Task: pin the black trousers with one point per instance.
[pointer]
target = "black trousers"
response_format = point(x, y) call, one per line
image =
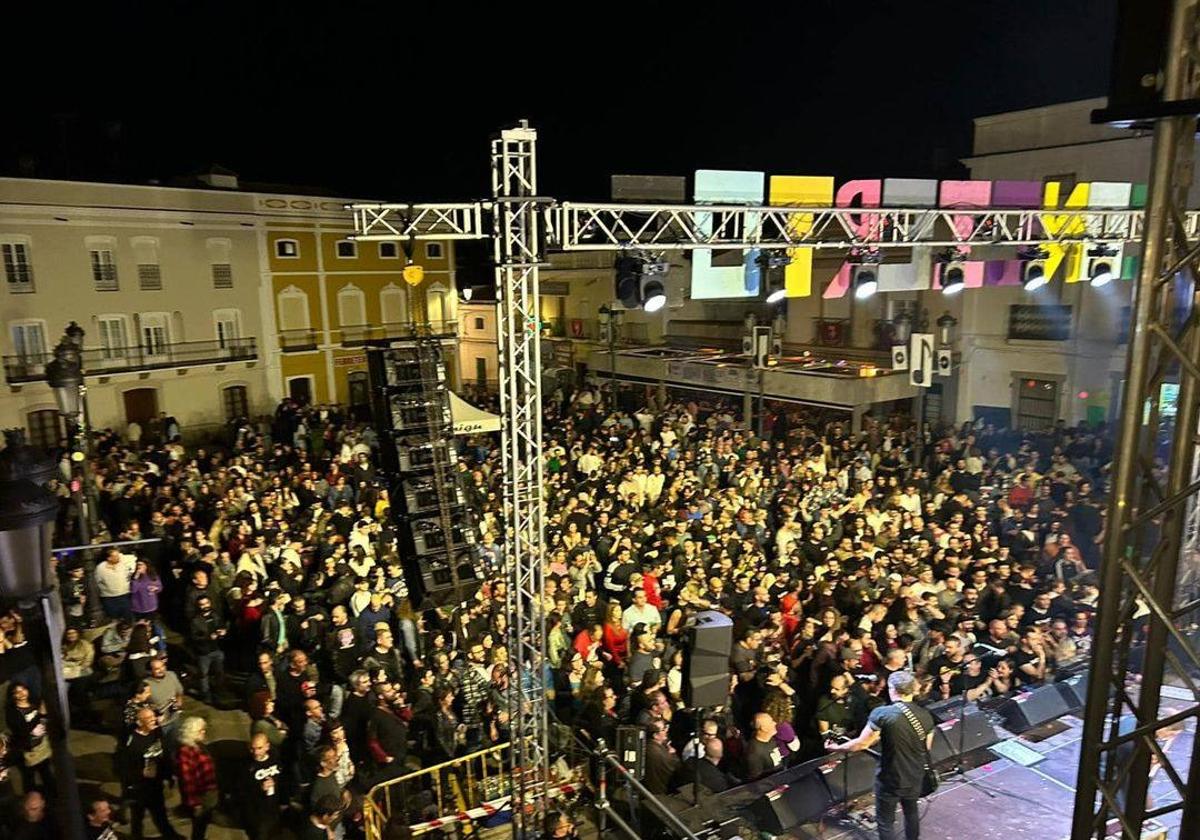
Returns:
point(885, 814)
point(149, 797)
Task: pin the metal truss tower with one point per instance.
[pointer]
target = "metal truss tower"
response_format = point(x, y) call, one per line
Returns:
point(1145, 555)
point(517, 243)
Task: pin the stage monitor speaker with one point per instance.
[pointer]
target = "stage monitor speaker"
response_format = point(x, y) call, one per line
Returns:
point(953, 736)
point(631, 749)
point(789, 805)
point(853, 776)
point(1074, 691)
point(706, 660)
point(1033, 708)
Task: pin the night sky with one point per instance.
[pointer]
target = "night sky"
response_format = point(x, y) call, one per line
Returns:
point(397, 101)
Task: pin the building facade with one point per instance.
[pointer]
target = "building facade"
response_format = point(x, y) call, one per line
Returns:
point(203, 304)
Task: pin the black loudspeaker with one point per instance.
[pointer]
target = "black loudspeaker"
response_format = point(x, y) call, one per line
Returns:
point(1138, 58)
point(1033, 708)
point(1074, 691)
point(785, 807)
point(853, 776)
point(631, 749)
point(952, 736)
point(706, 660)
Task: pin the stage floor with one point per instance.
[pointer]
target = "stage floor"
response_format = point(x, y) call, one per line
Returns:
point(1027, 802)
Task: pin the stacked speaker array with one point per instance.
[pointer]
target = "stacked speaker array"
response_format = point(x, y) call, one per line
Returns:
point(429, 512)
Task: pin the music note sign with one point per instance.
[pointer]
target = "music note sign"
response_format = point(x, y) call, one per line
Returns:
point(920, 360)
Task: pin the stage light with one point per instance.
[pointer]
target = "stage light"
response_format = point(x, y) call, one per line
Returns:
point(1102, 265)
point(771, 263)
point(636, 285)
point(866, 283)
point(953, 280)
point(654, 295)
point(1034, 276)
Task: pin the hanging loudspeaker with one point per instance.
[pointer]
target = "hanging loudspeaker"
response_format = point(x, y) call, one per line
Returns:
point(945, 362)
point(899, 357)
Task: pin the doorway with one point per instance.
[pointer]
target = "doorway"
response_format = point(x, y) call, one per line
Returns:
point(141, 405)
point(360, 395)
point(300, 389)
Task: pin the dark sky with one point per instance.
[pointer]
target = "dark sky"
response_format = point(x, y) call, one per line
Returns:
point(397, 100)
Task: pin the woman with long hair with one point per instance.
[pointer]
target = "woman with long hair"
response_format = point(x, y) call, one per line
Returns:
point(616, 637)
point(26, 721)
point(144, 589)
point(263, 720)
point(197, 774)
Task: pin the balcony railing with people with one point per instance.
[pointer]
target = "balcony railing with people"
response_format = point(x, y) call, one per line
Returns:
point(31, 367)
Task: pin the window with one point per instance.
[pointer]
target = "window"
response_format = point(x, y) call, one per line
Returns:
point(388, 251)
point(293, 309)
point(481, 371)
point(288, 249)
point(114, 335)
point(18, 271)
point(433, 250)
point(1037, 404)
point(145, 254)
point(347, 249)
point(45, 430)
point(102, 255)
point(1039, 322)
point(478, 323)
point(228, 327)
point(155, 333)
point(222, 266)
point(352, 307)
point(393, 302)
point(29, 341)
point(233, 398)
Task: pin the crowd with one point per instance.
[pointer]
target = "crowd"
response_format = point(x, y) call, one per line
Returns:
point(275, 587)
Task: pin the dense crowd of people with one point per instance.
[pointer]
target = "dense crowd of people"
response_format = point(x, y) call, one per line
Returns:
point(275, 587)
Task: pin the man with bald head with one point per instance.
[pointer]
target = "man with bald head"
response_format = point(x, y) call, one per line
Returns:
point(262, 790)
point(763, 755)
point(707, 770)
point(144, 770)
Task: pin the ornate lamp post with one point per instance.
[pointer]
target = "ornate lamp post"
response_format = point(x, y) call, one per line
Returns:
point(610, 319)
point(27, 513)
point(65, 376)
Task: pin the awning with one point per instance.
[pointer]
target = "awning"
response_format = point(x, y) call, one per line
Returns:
point(469, 420)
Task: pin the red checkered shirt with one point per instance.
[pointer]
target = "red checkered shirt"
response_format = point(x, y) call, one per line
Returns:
point(197, 775)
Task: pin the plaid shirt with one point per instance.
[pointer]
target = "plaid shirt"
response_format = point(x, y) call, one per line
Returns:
point(197, 775)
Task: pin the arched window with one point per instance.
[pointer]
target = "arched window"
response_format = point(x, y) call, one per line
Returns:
point(295, 328)
point(235, 402)
point(393, 304)
point(436, 306)
point(352, 306)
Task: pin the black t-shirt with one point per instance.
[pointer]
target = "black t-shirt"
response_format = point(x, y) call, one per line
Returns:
point(902, 762)
point(261, 782)
point(837, 714)
point(762, 758)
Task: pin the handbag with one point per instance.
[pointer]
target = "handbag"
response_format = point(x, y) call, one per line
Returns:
point(37, 754)
point(929, 779)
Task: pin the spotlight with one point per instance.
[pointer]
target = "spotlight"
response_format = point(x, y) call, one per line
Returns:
point(866, 283)
point(1101, 265)
point(636, 285)
point(1033, 272)
point(1035, 275)
point(467, 292)
point(654, 295)
point(953, 280)
point(771, 262)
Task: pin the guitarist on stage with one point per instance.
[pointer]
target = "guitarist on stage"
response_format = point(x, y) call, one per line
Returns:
point(906, 733)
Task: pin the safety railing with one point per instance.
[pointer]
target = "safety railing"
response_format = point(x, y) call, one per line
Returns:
point(464, 789)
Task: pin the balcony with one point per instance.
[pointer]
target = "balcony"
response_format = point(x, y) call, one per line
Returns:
point(295, 341)
point(362, 335)
point(102, 361)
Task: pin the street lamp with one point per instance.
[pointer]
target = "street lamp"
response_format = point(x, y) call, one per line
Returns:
point(27, 514)
point(946, 325)
point(65, 376)
point(608, 317)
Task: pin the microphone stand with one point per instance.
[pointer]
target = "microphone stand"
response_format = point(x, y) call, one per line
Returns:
point(960, 766)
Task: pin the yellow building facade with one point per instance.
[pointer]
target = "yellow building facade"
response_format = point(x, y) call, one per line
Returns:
point(332, 297)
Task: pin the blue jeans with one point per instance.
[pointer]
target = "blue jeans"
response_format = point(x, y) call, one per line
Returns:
point(209, 662)
point(117, 606)
point(885, 814)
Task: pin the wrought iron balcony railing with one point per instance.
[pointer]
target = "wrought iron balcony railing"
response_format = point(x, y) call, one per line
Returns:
point(100, 361)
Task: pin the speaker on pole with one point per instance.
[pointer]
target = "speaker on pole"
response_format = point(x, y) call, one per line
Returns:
point(708, 641)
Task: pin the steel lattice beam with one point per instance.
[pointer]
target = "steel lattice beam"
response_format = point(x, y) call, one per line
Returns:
point(1148, 517)
point(572, 226)
point(516, 240)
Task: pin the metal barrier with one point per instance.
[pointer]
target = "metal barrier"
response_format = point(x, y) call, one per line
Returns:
point(471, 787)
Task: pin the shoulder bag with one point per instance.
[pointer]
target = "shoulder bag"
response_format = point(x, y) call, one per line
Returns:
point(929, 780)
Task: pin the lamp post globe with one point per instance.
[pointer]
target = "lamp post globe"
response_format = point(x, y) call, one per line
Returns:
point(64, 374)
